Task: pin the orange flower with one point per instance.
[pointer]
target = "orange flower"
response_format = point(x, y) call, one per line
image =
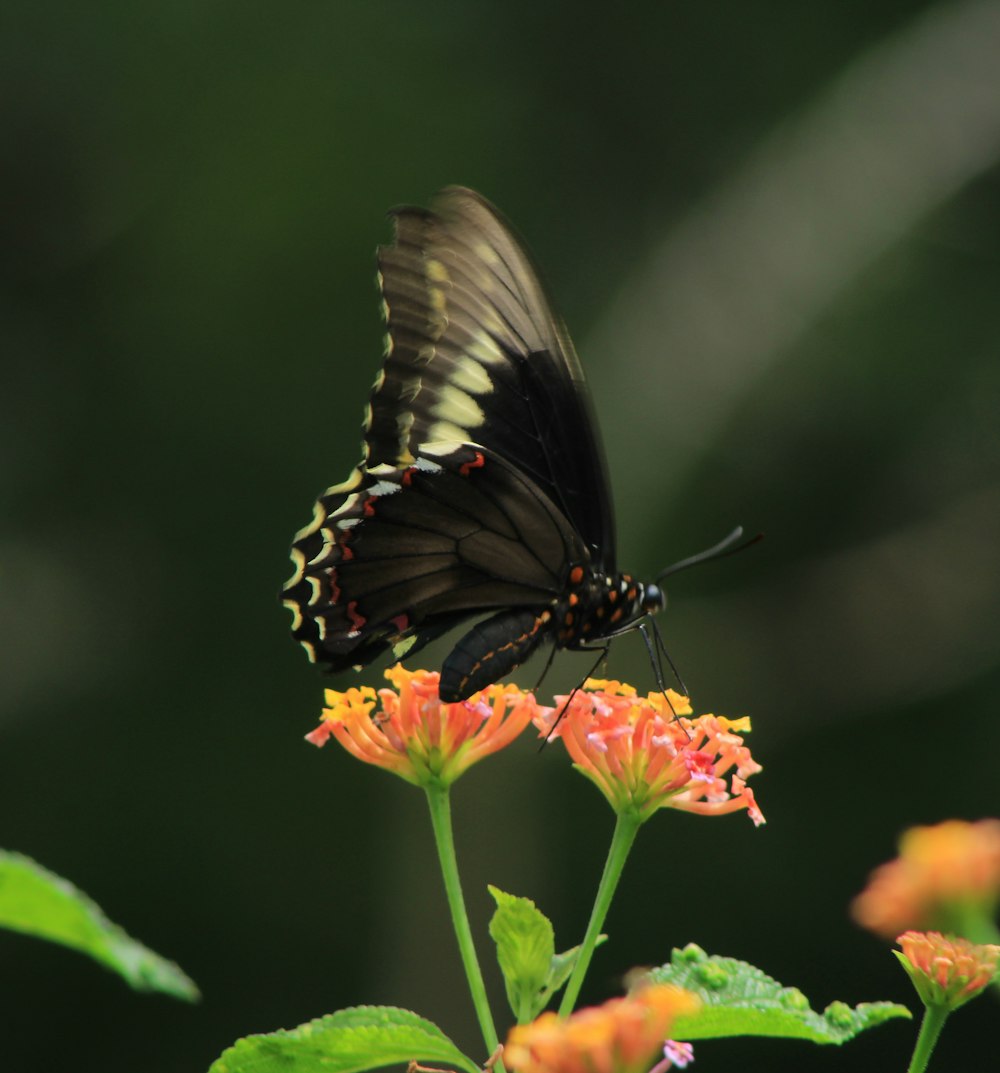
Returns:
point(417, 736)
point(944, 877)
point(643, 757)
point(946, 972)
point(624, 1035)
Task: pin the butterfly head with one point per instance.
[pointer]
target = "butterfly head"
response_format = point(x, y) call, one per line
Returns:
point(654, 599)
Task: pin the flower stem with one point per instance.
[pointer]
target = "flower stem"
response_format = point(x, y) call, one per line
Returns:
point(626, 828)
point(930, 1029)
point(440, 807)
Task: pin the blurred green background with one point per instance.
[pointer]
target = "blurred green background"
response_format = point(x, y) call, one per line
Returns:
point(774, 230)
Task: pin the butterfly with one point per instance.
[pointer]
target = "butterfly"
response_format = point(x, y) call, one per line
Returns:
point(482, 490)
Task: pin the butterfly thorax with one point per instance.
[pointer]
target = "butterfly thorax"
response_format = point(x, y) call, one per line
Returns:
point(598, 606)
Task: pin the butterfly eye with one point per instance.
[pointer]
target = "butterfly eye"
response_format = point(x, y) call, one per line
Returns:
point(653, 599)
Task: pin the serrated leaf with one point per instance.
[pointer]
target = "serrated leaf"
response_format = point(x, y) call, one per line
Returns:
point(524, 936)
point(525, 945)
point(741, 1000)
point(37, 902)
point(348, 1041)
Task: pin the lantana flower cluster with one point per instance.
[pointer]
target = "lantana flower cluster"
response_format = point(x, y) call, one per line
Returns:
point(623, 1036)
point(415, 734)
point(647, 752)
point(947, 972)
point(946, 877)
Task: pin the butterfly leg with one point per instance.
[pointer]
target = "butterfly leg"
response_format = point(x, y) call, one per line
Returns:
point(654, 662)
point(545, 669)
point(661, 647)
point(601, 657)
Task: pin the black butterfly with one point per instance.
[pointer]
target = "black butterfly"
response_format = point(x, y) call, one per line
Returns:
point(482, 487)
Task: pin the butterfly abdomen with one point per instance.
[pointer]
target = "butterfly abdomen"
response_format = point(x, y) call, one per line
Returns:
point(492, 649)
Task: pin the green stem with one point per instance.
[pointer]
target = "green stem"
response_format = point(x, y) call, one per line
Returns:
point(930, 1029)
point(626, 829)
point(440, 806)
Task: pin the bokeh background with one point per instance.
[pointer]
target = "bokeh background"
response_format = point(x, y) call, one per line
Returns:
point(774, 230)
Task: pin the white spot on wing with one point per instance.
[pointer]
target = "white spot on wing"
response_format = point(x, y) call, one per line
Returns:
point(352, 482)
point(458, 408)
point(404, 422)
point(400, 649)
point(486, 253)
point(445, 430)
point(348, 505)
point(484, 348)
point(425, 465)
point(470, 376)
point(299, 565)
point(296, 613)
point(318, 518)
point(436, 271)
point(324, 551)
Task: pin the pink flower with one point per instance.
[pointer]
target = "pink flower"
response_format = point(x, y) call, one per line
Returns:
point(643, 757)
point(416, 735)
point(946, 972)
point(943, 876)
point(623, 1036)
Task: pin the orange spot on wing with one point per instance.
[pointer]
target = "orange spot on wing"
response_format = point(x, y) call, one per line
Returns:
point(357, 620)
point(477, 463)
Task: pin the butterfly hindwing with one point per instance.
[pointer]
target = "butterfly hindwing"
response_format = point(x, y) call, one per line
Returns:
point(457, 532)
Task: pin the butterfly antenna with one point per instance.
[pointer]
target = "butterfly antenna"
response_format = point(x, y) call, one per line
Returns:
point(717, 551)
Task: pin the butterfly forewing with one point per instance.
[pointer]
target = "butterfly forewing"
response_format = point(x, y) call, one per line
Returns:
point(477, 353)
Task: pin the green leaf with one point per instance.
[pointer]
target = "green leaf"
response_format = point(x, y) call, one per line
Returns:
point(563, 964)
point(525, 950)
point(348, 1041)
point(740, 1000)
point(35, 901)
point(525, 941)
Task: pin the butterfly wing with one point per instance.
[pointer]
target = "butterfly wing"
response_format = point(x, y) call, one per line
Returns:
point(477, 354)
point(423, 546)
point(420, 537)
